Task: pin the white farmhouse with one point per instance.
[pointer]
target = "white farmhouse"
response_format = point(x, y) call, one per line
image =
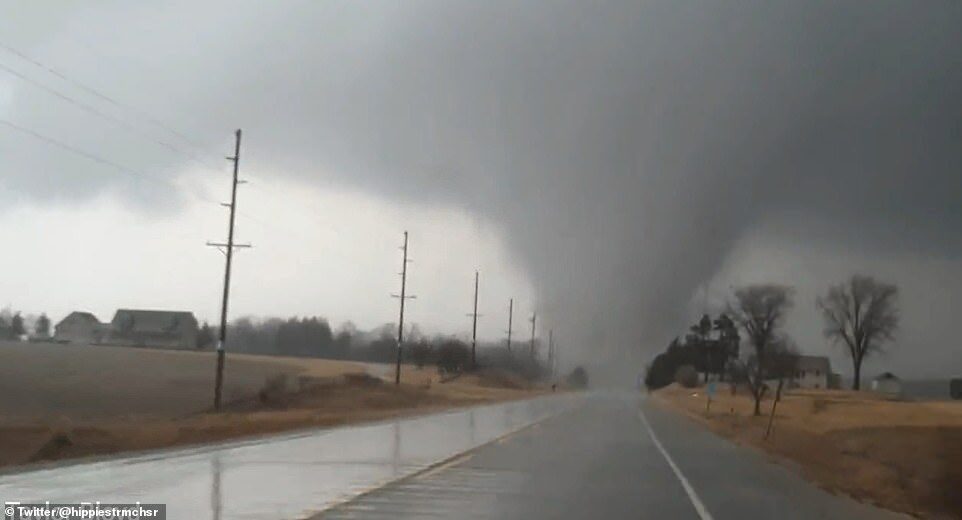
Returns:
point(812, 372)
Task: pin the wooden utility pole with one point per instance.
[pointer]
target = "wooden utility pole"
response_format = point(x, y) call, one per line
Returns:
point(228, 250)
point(403, 296)
point(474, 326)
point(534, 321)
point(551, 351)
point(510, 317)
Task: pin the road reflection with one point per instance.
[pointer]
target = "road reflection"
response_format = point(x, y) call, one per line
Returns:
point(286, 476)
point(215, 498)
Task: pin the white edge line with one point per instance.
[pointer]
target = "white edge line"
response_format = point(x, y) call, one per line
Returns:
point(695, 501)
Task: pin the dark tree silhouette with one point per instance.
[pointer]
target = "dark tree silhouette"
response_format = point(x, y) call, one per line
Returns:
point(205, 336)
point(16, 326)
point(702, 329)
point(453, 356)
point(578, 378)
point(42, 326)
point(420, 352)
point(760, 311)
point(729, 341)
point(862, 315)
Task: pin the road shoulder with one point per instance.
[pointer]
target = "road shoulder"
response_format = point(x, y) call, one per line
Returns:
point(736, 479)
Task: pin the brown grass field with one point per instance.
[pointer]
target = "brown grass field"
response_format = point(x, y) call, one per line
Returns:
point(901, 455)
point(68, 401)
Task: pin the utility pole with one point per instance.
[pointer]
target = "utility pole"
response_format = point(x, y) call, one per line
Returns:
point(474, 325)
point(554, 360)
point(551, 351)
point(510, 317)
point(228, 250)
point(403, 296)
point(534, 320)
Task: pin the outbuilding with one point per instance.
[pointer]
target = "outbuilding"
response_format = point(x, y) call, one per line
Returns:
point(153, 328)
point(888, 384)
point(79, 327)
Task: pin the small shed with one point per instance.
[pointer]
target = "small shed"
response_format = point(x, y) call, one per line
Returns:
point(888, 384)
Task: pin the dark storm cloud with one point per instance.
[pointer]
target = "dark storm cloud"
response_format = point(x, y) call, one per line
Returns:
point(622, 147)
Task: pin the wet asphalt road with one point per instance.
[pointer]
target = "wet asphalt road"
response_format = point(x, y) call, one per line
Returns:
point(282, 476)
point(601, 461)
point(566, 456)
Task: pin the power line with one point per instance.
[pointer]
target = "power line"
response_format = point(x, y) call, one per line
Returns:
point(100, 94)
point(510, 319)
point(534, 321)
point(92, 157)
point(551, 351)
point(95, 111)
point(474, 325)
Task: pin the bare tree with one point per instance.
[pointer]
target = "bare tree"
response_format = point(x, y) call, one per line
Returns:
point(861, 314)
point(760, 311)
point(782, 363)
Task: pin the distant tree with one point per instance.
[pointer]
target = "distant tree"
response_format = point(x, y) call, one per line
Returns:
point(686, 376)
point(738, 374)
point(729, 340)
point(304, 337)
point(702, 329)
point(693, 352)
point(16, 326)
point(861, 314)
point(760, 311)
point(675, 347)
point(782, 361)
point(413, 334)
point(660, 372)
point(345, 337)
point(420, 353)
point(205, 336)
point(701, 347)
point(383, 349)
point(578, 378)
point(42, 326)
point(453, 356)
point(341, 347)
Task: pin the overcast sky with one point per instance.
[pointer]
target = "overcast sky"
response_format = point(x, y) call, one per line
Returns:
point(617, 166)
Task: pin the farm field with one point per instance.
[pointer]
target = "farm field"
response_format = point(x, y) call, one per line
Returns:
point(67, 401)
point(41, 380)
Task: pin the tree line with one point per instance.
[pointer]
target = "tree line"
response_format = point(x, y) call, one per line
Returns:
point(860, 315)
point(314, 337)
point(14, 326)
